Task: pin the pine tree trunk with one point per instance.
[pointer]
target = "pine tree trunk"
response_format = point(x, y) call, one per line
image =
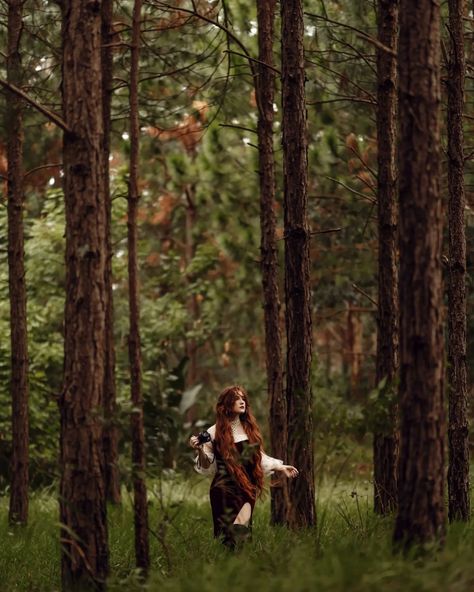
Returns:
point(18, 512)
point(458, 431)
point(421, 513)
point(82, 489)
point(265, 92)
point(192, 303)
point(111, 433)
point(142, 553)
point(386, 440)
point(301, 511)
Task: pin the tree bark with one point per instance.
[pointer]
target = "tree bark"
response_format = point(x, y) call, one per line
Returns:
point(82, 489)
point(386, 439)
point(265, 92)
point(421, 513)
point(301, 511)
point(142, 554)
point(19, 388)
point(458, 431)
point(192, 302)
point(111, 432)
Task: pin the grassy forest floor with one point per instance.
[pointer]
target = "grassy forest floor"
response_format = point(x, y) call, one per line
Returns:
point(350, 552)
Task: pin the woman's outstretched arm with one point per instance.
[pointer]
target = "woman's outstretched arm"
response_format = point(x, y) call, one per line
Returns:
point(270, 464)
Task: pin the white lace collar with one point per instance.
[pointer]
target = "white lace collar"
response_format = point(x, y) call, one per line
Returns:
point(238, 431)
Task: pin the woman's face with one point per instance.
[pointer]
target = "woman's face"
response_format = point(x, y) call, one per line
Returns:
point(239, 406)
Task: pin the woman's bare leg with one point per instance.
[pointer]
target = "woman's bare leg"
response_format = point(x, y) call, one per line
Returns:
point(243, 517)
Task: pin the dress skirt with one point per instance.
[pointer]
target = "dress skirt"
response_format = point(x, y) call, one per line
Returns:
point(227, 496)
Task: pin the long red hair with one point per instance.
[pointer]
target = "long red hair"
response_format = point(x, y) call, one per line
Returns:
point(225, 441)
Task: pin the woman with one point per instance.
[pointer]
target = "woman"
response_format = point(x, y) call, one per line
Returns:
point(235, 458)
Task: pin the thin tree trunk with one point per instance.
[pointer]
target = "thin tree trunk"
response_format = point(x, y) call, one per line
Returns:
point(386, 440)
point(111, 433)
point(18, 512)
point(265, 89)
point(142, 553)
point(192, 303)
point(82, 491)
point(421, 512)
point(301, 511)
point(458, 431)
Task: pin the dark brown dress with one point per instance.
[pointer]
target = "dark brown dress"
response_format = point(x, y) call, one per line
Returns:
point(227, 495)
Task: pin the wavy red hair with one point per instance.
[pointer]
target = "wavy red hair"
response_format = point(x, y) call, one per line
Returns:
point(225, 441)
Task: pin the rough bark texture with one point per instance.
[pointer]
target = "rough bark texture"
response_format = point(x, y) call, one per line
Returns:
point(18, 512)
point(142, 553)
point(458, 431)
point(301, 511)
point(82, 489)
point(386, 440)
point(265, 89)
point(421, 513)
point(111, 433)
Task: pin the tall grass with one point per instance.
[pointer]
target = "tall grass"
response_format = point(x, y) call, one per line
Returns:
point(350, 551)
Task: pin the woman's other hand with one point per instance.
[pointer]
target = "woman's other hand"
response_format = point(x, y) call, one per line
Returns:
point(289, 471)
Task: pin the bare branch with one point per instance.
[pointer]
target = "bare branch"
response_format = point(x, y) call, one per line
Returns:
point(43, 166)
point(198, 15)
point(361, 34)
point(354, 191)
point(240, 127)
point(53, 117)
point(350, 99)
point(364, 293)
point(253, 60)
point(314, 232)
point(359, 156)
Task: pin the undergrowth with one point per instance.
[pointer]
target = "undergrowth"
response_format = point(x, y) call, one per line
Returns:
point(349, 551)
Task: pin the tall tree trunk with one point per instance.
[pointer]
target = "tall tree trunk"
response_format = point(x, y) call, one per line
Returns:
point(82, 489)
point(138, 436)
point(421, 513)
point(386, 439)
point(301, 511)
point(111, 434)
point(192, 303)
point(458, 474)
point(19, 389)
point(265, 90)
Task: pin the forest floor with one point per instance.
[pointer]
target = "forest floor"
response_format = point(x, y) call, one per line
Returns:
point(350, 551)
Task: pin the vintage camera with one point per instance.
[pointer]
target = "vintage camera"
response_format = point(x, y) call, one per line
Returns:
point(203, 437)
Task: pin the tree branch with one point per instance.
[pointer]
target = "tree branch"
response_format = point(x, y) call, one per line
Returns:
point(53, 117)
point(43, 166)
point(354, 191)
point(206, 19)
point(361, 34)
point(240, 127)
point(364, 293)
point(248, 57)
point(327, 231)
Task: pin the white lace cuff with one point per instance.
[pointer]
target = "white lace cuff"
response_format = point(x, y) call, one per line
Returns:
point(269, 464)
point(209, 452)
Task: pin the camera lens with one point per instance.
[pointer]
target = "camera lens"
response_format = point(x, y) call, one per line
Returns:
point(203, 437)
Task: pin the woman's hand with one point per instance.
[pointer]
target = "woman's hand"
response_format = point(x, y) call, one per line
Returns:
point(204, 461)
point(194, 442)
point(289, 471)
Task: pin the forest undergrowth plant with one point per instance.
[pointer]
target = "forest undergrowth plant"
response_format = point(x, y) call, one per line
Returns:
point(353, 554)
point(359, 521)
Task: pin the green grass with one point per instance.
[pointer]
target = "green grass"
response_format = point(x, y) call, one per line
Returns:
point(350, 552)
